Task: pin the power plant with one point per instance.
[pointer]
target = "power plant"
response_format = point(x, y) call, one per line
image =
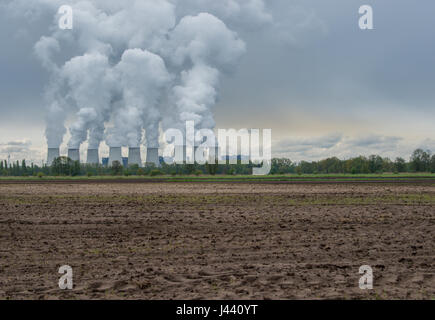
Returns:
point(134, 157)
point(180, 152)
point(92, 157)
point(115, 154)
point(74, 154)
point(140, 86)
point(153, 156)
point(213, 154)
point(52, 154)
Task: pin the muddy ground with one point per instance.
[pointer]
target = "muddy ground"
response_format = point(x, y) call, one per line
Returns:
point(217, 241)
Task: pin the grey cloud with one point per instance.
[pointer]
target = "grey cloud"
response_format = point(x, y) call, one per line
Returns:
point(338, 145)
point(374, 141)
point(16, 143)
point(428, 144)
point(304, 144)
point(15, 147)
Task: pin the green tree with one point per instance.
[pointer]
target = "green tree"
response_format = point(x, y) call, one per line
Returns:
point(359, 165)
point(75, 168)
point(61, 166)
point(420, 160)
point(281, 166)
point(191, 168)
point(387, 165)
point(400, 165)
point(299, 170)
point(133, 168)
point(375, 164)
point(24, 170)
point(211, 168)
point(116, 168)
point(155, 172)
point(432, 164)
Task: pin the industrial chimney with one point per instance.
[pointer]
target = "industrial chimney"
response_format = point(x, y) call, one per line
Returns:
point(134, 156)
point(115, 154)
point(52, 154)
point(153, 156)
point(93, 157)
point(74, 154)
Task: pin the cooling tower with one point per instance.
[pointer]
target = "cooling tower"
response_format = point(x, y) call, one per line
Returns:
point(134, 156)
point(180, 150)
point(204, 157)
point(93, 157)
point(153, 156)
point(52, 154)
point(213, 154)
point(74, 154)
point(196, 147)
point(115, 154)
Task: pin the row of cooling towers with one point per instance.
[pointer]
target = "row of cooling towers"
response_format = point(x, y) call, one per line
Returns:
point(115, 154)
point(134, 155)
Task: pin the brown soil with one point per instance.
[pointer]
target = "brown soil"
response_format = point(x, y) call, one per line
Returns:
point(217, 241)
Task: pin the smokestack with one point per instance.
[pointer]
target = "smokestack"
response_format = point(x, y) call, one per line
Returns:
point(93, 157)
point(134, 156)
point(74, 154)
point(153, 156)
point(52, 154)
point(115, 154)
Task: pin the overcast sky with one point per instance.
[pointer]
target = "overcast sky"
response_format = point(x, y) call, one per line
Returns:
point(321, 84)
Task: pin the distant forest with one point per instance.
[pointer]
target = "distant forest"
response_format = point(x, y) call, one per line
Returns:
point(420, 161)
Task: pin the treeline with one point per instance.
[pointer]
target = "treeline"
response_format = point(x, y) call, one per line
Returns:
point(64, 166)
point(420, 161)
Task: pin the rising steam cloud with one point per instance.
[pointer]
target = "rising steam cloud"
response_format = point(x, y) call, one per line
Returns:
point(91, 82)
point(128, 66)
point(205, 45)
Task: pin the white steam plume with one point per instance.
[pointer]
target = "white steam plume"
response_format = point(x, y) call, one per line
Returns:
point(125, 60)
point(45, 49)
point(91, 84)
point(239, 14)
point(142, 77)
point(203, 45)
